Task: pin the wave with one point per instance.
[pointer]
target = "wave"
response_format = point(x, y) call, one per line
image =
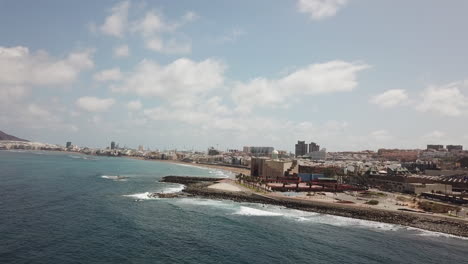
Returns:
point(221, 173)
point(427, 233)
point(253, 210)
point(248, 209)
point(175, 189)
point(141, 196)
point(149, 195)
point(207, 202)
point(244, 210)
point(114, 178)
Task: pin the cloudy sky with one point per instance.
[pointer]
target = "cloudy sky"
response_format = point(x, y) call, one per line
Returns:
point(347, 74)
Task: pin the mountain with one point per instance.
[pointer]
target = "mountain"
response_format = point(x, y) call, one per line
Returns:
point(5, 136)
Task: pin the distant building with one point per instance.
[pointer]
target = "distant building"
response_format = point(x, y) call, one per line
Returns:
point(246, 149)
point(275, 168)
point(404, 155)
point(112, 145)
point(313, 147)
point(140, 148)
point(68, 144)
point(317, 155)
point(435, 147)
point(301, 148)
point(256, 166)
point(260, 151)
point(454, 148)
point(212, 151)
point(418, 188)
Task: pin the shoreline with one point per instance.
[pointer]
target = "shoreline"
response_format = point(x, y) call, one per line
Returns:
point(434, 223)
point(230, 170)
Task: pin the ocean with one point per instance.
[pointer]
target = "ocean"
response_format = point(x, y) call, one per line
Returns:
point(71, 208)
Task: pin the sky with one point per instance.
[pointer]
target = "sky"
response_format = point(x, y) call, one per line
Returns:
point(165, 74)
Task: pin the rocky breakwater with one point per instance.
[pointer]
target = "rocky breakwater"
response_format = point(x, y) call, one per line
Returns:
point(197, 186)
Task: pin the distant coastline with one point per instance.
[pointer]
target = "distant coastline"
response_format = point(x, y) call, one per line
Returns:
point(230, 169)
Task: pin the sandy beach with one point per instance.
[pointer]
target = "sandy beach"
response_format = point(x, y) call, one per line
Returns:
point(232, 170)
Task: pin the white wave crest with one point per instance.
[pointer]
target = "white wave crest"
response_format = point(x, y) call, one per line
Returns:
point(114, 178)
point(175, 189)
point(208, 202)
point(244, 210)
point(141, 196)
point(427, 233)
point(220, 173)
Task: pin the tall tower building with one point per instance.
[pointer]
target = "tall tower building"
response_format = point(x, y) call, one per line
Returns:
point(301, 148)
point(112, 145)
point(313, 147)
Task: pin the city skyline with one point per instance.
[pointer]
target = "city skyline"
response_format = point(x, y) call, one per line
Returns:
point(349, 75)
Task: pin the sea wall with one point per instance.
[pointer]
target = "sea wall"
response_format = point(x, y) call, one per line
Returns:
point(198, 187)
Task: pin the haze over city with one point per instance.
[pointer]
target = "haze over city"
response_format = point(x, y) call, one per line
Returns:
point(351, 75)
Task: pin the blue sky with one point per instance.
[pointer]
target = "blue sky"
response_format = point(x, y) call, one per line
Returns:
point(347, 74)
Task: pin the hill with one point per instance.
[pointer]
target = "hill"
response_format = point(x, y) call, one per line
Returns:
point(5, 136)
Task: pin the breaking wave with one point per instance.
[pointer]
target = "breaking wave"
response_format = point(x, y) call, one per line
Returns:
point(114, 178)
point(175, 189)
point(141, 196)
point(244, 210)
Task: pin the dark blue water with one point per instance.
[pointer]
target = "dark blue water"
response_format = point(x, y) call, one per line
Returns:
point(58, 208)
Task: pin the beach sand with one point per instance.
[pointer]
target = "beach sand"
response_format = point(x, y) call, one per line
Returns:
point(233, 170)
point(225, 186)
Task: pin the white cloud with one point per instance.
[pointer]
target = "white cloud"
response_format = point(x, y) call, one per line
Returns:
point(380, 135)
point(445, 100)
point(329, 77)
point(121, 51)
point(11, 93)
point(154, 30)
point(113, 74)
point(231, 36)
point(171, 46)
point(151, 24)
point(134, 105)
point(94, 104)
point(320, 9)
point(35, 115)
point(181, 79)
point(39, 112)
point(390, 98)
point(116, 24)
point(433, 136)
point(190, 16)
point(21, 68)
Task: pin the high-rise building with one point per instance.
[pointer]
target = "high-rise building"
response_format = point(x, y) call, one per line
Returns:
point(435, 147)
point(112, 145)
point(313, 147)
point(454, 147)
point(68, 144)
point(301, 148)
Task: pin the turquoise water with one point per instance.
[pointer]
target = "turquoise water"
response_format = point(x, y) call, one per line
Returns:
point(68, 208)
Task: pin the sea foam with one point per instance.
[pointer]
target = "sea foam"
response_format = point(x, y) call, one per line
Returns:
point(244, 210)
point(141, 196)
point(175, 189)
point(114, 178)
